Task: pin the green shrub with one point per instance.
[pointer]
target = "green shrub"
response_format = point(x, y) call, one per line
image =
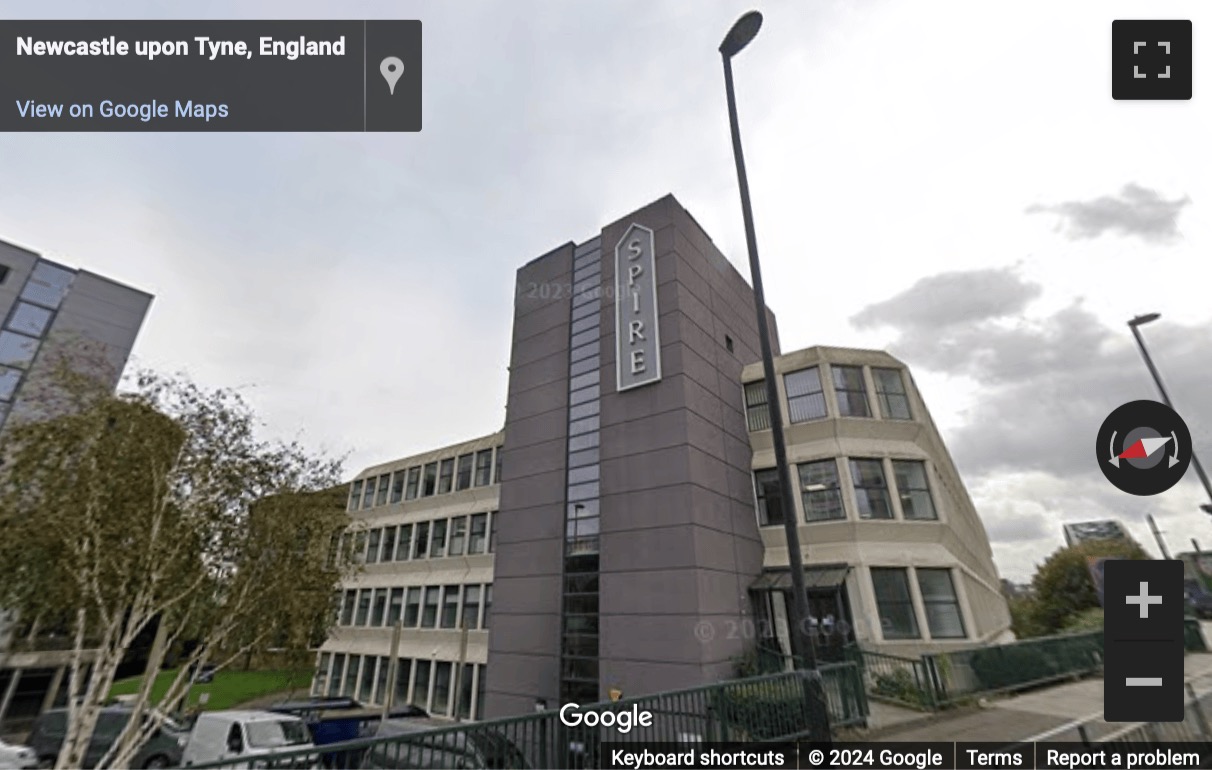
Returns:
point(900, 685)
point(762, 710)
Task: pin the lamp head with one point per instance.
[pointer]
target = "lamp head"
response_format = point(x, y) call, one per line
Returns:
point(1140, 320)
point(745, 29)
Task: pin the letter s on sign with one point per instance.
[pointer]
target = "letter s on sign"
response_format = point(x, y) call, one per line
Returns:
point(634, 247)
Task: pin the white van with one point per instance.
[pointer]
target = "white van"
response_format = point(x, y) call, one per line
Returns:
point(226, 735)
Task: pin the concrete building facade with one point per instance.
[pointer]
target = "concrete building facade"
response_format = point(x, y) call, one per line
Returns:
point(637, 548)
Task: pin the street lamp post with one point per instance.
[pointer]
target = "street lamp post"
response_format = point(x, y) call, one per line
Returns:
point(1134, 325)
point(742, 32)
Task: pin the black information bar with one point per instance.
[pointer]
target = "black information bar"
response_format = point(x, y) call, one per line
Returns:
point(210, 75)
point(943, 755)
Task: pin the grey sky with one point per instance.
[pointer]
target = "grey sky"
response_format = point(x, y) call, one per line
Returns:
point(359, 287)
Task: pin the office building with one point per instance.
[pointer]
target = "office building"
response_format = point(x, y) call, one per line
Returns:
point(636, 539)
point(52, 314)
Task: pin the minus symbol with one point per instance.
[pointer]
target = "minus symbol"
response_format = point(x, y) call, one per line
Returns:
point(1143, 681)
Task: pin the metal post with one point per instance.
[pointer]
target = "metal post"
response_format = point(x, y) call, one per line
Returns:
point(1157, 536)
point(1140, 342)
point(389, 700)
point(801, 643)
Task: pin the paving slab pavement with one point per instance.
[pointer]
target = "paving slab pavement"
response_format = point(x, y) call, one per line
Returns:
point(1021, 716)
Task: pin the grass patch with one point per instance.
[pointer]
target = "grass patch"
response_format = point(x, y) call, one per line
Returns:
point(229, 688)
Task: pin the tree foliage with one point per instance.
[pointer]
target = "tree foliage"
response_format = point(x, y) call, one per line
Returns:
point(161, 507)
point(1064, 593)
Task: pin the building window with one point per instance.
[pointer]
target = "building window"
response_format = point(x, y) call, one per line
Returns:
point(466, 688)
point(894, 603)
point(321, 682)
point(372, 546)
point(347, 609)
point(871, 489)
point(487, 605)
point(8, 383)
point(429, 614)
point(483, 467)
point(496, 473)
point(446, 476)
point(450, 607)
point(821, 491)
point(351, 676)
point(429, 482)
point(479, 531)
point(458, 535)
point(805, 395)
point(412, 608)
point(338, 670)
point(437, 546)
point(769, 497)
point(757, 408)
point(388, 551)
point(29, 319)
point(463, 478)
point(481, 678)
point(379, 610)
point(384, 486)
point(17, 349)
point(397, 486)
point(359, 553)
point(380, 695)
point(366, 691)
point(851, 391)
point(404, 545)
point(471, 607)
point(914, 490)
point(395, 606)
point(943, 616)
point(414, 482)
point(441, 688)
point(492, 532)
point(422, 540)
point(4, 270)
point(890, 390)
point(355, 495)
point(403, 674)
point(363, 607)
point(47, 284)
point(368, 496)
point(420, 686)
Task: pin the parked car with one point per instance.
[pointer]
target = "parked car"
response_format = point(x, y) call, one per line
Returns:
point(477, 747)
point(334, 720)
point(226, 735)
point(17, 757)
point(162, 749)
point(1199, 601)
point(204, 673)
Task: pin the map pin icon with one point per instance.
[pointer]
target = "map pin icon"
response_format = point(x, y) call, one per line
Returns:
point(392, 68)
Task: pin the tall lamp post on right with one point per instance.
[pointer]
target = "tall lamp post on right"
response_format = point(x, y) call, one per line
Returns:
point(1135, 325)
point(817, 709)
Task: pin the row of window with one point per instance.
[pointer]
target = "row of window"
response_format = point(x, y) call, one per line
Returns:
point(821, 493)
point(806, 395)
point(27, 324)
point(449, 606)
point(898, 615)
point(469, 535)
point(428, 684)
point(582, 522)
point(452, 474)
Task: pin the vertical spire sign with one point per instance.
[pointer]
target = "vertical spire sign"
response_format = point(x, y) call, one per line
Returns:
point(636, 334)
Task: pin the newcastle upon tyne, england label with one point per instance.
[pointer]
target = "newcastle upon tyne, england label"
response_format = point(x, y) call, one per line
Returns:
point(637, 338)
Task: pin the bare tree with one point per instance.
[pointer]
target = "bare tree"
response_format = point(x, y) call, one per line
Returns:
point(161, 505)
